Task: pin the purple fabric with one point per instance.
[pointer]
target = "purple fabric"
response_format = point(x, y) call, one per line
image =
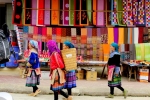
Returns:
point(116, 35)
point(40, 30)
point(89, 32)
point(52, 47)
point(98, 32)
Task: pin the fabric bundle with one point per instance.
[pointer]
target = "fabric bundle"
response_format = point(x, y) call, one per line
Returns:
point(30, 34)
point(54, 34)
point(116, 35)
point(121, 36)
point(98, 35)
point(35, 34)
point(68, 34)
point(44, 35)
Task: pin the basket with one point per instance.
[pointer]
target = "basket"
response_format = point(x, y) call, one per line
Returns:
point(70, 59)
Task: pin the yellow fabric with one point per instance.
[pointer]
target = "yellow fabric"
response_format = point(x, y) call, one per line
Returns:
point(106, 51)
point(110, 35)
point(121, 36)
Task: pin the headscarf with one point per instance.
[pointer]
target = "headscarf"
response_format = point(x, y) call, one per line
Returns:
point(115, 45)
point(34, 44)
point(69, 44)
point(52, 46)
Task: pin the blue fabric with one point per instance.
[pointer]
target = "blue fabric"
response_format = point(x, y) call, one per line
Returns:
point(34, 60)
point(69, 44)
point(115, 45)
point(117, 70)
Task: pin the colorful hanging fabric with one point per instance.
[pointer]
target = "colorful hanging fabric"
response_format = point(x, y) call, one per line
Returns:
point(94, 51)
point(17, 12)
point(41, 6)
point(135, 35)
point(25, 29)
point(116, 35)
point(94, 35)
point(134, 11)
point(125, 35)
point(141, 31)
point(145, 35)
point(125, 12)
point(68, 34)
point(27, 18)
point(47, 13)
point(132, 51)
point(30, 35)
point(71, 12)
point(127, 52)
point(73, 35)
point(83, 35)
point(100, 15)
point(130, 13)
point(98, 35)
point(121, 36)
point(141, 13)
point(77, 13)
point(101, 54)
point(94, 11)
point(54, 12)
point(39, 33)
point(104, 35)
point(54, 33)
point(49, 33)
point(138, 52)
point(89, 12)
point(34, 12)
point(147, 50)
point(44, 31)
point(58, 35)
point(63, 35)
point(147, 11)
point(65, 13)
point(106, 51)
point(78, 30)
point(108, 14)
point(35, 34)
point(110, 35)
point(89, 35)
point(83, 13)
point(114, 20)
point(61, 12)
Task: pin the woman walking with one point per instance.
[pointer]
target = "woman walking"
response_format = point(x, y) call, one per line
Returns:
point(70, 75)
point(33, 65)
point(114, 75)
point(57, 74)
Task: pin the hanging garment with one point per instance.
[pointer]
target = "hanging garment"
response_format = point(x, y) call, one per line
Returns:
point(27, 16)
point(94, 11)
point(135, 35)
point(73, 35)
point(65, 13)
point(125, 35)
point(98, 35)
point(54, 12)
point(138, 52)
point(147, 11)
point(106, 51)
point(121, 36)
point(89, 11)
point(89, 35)
point(47, 13)
point(147, 50)
point(58, 34)
point(49, 33)
point(94, 35)
point(63, 35)
point(110, 35)
point(71, 12)
point(116, 35)
point(77, 13)
point(41, 6)
point(141, 31)
point(83, 13)
point(34, 12)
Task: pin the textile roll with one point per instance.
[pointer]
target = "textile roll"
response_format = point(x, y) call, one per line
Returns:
point(89, 12)
point(138, 52)
point(136, 35)
point(116, 34)
point(71, 12)
point(63, 35)
point(47, 13)
point(35, 34)
point(98, 35)
point(34, 12)
point(141, 13)
point(94, 11)
point(73, 35)
point(83, 35)
point(61, 12)
point(121, 36)
point(58, 35)
point(54, 12)
point(89, 35)
point(106, 51)
point(83, 14)
point(100, 15)
point(66, 13)
point(129, 18)
point(126, 35)
point(40, 21)
point(147, 50)
point(141, 31)
point(110, 35)
point(27, 19)
point(77, 13)
point(94, 35)
point(44, 31)
point(17, 12)
point(135, 9)
point(49, 33)
point(147, 11)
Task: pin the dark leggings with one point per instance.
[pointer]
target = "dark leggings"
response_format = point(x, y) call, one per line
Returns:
point(69, 91)
point(34, 89)
point(61, 92)
point(112, 89)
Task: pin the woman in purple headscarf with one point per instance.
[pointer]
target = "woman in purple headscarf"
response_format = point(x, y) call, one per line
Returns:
point(57, 75)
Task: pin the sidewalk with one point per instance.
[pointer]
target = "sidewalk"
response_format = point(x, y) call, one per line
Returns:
point(15, 84)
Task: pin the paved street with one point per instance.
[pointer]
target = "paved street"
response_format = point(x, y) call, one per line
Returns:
point(50, 97)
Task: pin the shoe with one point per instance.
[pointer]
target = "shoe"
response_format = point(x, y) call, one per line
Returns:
point(31, 94)
point(125, 93)
point(69, 98)
point(37, 92)
point(110, 96)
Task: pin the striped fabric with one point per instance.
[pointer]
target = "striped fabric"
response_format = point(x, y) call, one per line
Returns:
point(73, 35)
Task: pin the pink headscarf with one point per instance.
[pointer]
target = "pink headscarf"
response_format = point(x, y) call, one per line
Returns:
point(52, 46)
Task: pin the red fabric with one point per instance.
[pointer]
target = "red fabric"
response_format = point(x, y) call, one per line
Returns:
point(41, 13)
point(56, 61)
point(141, 31)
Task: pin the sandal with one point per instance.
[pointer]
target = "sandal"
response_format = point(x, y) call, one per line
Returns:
point(37, 92)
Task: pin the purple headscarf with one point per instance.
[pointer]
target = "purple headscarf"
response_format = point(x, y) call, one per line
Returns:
point(52, 46)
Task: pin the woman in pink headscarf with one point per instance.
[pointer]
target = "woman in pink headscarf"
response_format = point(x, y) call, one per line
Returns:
point(57, 75)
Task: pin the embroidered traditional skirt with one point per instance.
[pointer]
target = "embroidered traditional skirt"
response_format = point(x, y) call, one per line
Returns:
point(70, 80)
point(116, 81)
point(33, 80)
point(57, 86)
